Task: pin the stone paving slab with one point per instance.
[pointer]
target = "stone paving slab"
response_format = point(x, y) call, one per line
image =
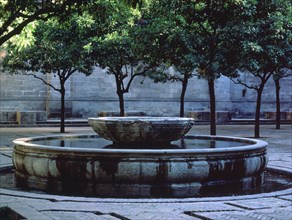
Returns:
point(78, 215)
point(154, 214)
point(225, 208)
point(261, 203)
point(26, 211)
point(161, 205)
point(6, 200)
point(267, 214)
point(5, 160)
point(287, 197)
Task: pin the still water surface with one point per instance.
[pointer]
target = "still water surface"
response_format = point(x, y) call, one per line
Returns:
point(99, 143)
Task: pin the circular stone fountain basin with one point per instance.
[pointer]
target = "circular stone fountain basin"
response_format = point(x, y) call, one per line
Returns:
point(108, 170)
point(142, 130)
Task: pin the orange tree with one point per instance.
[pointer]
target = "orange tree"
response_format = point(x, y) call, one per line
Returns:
point(119, 51)
point(58, 49)
point(168, 42)
point(17, 14)
point(63, 46)
point(263, 43)
point(193, 38)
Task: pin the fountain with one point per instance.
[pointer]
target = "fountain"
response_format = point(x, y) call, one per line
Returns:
point(138, 157)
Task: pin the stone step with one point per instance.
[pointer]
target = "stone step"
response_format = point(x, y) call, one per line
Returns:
point(237, 121)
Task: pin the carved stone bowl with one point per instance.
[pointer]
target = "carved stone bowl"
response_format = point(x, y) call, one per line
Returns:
point(141, 130)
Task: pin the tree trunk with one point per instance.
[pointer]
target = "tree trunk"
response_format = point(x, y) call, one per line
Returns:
point(211, 86)
point(62, 125)
point(278, 107)
point(258, 112)
point(182, 96)
point(121, 103)
point(120, 93)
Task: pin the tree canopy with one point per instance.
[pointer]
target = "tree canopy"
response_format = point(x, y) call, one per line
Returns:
point(119, 50)
point(17, 14)
point(130, 38)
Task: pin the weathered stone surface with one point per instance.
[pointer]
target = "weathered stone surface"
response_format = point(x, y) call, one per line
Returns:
point(41, 116)
point(137, 172)
point(283, 115)
point(222, 117)
point(23, 117)
point(142, 130)
point(115, 113)
point(7, 116)
point(28, 117)
point(231, 207)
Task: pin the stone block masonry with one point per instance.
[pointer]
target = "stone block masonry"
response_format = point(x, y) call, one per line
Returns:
point(222, 117)
point(22, 117)
point(7, 116)
point(88, 95)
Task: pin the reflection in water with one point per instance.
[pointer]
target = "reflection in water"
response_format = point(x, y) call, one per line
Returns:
point(274, 181)
point(182, 143)
point(119, 146)
point(212, 144)
point(99, 143)
point(62, 143)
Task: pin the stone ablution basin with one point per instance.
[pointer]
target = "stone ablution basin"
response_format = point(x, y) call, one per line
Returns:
point(141, 130)
point(90, 165)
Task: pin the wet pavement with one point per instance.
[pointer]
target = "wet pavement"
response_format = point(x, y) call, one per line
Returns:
point(273, 205)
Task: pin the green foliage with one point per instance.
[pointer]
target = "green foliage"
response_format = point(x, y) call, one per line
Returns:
point(17, 14)
point(114, 47)
point(57, 47)
point(262, 44)
point(168, 41)
point(266, 46)
point(117, 46)
point(193, 35)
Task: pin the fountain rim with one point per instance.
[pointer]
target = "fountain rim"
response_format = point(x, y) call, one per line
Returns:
point(149, 119)
point(255, 144)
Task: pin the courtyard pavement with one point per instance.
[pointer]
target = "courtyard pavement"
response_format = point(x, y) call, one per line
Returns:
point(274, 205)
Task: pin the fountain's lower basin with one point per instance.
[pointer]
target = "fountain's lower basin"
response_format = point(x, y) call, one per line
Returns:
point(118, 172)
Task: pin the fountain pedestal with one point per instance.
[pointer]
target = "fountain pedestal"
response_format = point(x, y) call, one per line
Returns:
point(141, 130)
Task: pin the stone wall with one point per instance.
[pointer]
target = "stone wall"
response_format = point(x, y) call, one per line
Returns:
point(20, 93)
point(86, 96)
point(144, 95)
point(244, 100)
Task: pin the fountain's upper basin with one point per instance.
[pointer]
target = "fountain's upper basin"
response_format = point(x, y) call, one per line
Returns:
point(141, 130)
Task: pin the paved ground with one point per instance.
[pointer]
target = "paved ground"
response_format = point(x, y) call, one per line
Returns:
point(275, 205)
